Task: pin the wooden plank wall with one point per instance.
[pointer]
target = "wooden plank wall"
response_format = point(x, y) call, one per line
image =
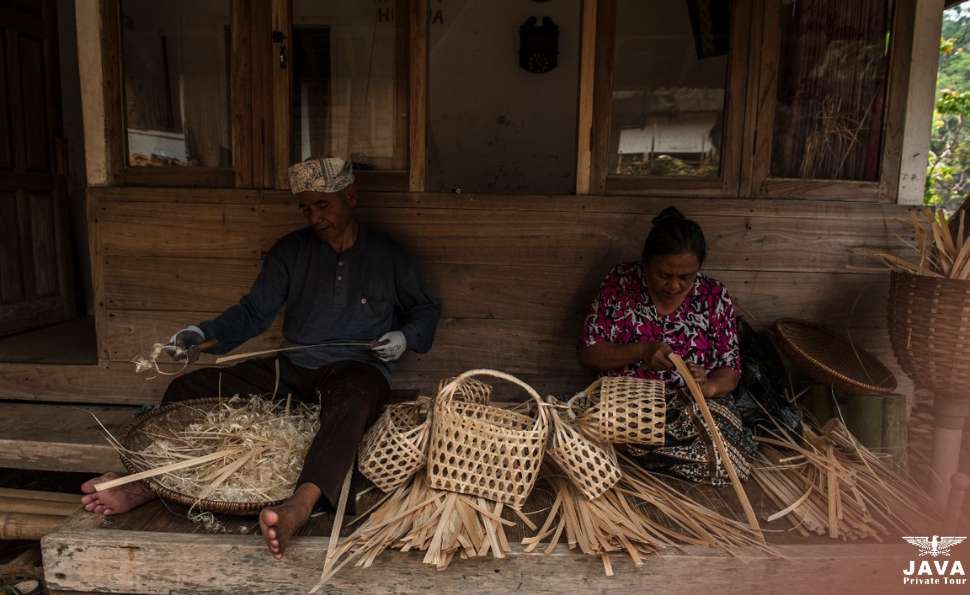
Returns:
point(516, 273)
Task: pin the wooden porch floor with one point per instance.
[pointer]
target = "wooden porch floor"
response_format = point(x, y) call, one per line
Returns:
point(156, 549)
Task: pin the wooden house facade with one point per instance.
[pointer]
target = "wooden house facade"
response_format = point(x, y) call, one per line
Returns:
point(177, 230)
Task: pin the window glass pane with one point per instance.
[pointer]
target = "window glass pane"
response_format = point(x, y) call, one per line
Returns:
point(495, 125)
point(349, 90)
point(669, 78)
point(832, 75)
point(176, 73)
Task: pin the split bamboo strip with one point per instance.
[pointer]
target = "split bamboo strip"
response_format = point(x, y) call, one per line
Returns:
point(107, 485)
point(225, 359)
point(718, 441)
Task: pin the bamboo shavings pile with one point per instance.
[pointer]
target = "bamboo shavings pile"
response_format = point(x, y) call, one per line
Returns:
point(829, 484)
point(418, 517)
point(263, 445)
point(939, 252)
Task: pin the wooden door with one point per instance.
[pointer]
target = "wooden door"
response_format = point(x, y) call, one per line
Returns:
point(36, 285)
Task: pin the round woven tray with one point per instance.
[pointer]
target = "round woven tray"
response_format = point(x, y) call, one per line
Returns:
point(831, 358)
point(179, 415)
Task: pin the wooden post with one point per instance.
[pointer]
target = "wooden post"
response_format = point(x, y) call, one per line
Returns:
point(954, 505)
point(949, 416)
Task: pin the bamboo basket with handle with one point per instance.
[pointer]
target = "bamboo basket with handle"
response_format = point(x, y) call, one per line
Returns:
point(592, 467)
point(483, 450)
point(622, 410)
point(395, 447)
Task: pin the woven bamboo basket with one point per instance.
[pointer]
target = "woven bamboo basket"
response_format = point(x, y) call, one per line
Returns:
point(592, 468)
point(483, 450)
point(178, 415)
point(395, 447)
point(929, 328)
point(622, 410)
point(832, 358)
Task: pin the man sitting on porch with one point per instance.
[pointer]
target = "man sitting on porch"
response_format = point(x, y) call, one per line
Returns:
point(338, 280)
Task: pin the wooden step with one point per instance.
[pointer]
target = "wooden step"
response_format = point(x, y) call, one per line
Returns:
point(53, 437)
point(49, 437)
point(85, 553)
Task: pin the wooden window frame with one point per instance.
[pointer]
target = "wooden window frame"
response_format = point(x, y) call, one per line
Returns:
point(411, 56)
point(757, 179)
point(727, 183)
point(240, 175)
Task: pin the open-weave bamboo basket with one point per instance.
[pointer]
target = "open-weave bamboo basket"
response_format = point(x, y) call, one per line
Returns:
point(833, 359)
point(395, 447)
point(622, 410)
point(929, 327)
point(178, 415)
point(483, 450)
point(593, 468)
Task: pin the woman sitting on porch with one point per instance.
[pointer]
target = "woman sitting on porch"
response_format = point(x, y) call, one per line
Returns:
point(660, 305)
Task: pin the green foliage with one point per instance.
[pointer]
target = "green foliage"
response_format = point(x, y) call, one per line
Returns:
point(948, 171)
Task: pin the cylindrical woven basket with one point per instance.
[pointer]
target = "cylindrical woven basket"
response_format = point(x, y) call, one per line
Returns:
point(622, 410)
point(178, 415)
point(929, 328)
point(483, 450)
point(832, 358)
point(591, 467)
point(395, 447)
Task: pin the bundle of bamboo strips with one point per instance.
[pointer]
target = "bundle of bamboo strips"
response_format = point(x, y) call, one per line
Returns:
point(829, 484)
point(598, 527)
point(939, 252)
point(640, 516)
point(418, 517)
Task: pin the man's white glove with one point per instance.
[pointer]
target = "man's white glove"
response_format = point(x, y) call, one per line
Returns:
point(390, 346)
point(185, 343)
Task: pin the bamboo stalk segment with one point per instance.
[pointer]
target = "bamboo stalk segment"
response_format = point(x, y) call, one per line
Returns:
point(39, 495)
point(32, 506)
point(16, 525)
point(718, 441)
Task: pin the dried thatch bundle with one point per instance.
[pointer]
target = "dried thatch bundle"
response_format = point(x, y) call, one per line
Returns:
point(828, 483)
point(418, 517)
point(939, 252)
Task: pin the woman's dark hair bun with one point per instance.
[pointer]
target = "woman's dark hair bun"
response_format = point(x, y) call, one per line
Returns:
point(668, 214)
point(672, 233)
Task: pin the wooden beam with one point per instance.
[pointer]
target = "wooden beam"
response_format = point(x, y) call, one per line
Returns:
point(241, 100)
point(48, 437)
point(79, 557)
point(418, 105)
point(587, 70)
point(920, 101)
point(188, 230)
point(113, 91)
point(282, 85)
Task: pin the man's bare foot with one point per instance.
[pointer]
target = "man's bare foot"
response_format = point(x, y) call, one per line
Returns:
point(116, 500)
point(279, 523)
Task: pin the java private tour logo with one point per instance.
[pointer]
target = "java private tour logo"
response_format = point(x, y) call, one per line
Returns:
point(941, 569)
